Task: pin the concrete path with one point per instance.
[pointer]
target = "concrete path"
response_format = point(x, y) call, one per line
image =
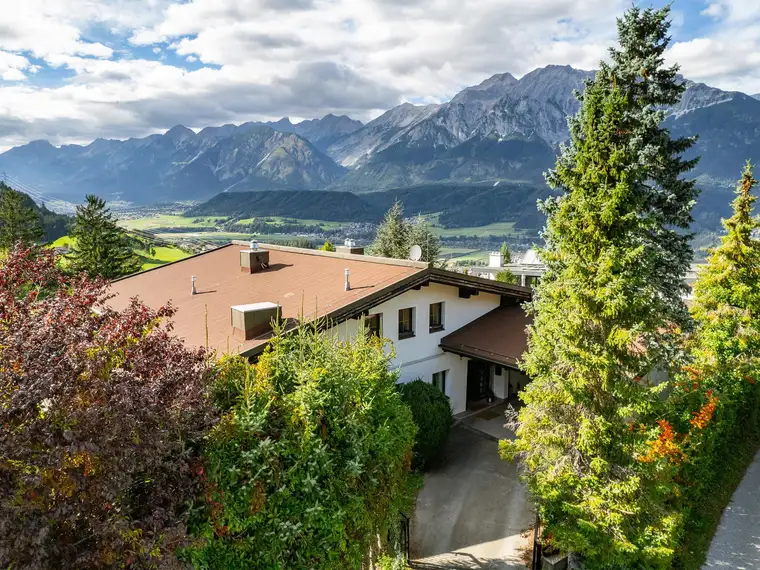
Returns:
point(736, 544)
point(490, 421)
point(472, 511)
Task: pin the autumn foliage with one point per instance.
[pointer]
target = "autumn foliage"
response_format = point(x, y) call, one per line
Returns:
point(101, 412)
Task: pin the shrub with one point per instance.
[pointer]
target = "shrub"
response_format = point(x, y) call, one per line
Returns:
point(309, 464)
point(99, 411)
point(431, 411)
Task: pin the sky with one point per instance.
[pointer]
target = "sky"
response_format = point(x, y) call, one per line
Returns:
point(75, 70)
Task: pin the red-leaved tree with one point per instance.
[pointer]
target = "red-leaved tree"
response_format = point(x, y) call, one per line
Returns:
point(101, 413)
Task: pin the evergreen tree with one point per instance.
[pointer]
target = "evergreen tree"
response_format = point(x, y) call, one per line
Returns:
point(505, 253)
point(505, 275)
point(608, 311)
point(420, 234)
point(101, 247)
point(392, 238)
point(727, 292)
point(18, 222)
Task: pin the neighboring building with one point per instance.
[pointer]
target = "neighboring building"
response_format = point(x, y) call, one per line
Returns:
point(530, 269)
point(463, 333)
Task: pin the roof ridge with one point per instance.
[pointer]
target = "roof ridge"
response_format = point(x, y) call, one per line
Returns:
point(339, 255)
point(171, 263)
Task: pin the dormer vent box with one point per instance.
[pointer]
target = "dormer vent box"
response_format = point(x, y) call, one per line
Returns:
point(254, 260)
point(250, 321)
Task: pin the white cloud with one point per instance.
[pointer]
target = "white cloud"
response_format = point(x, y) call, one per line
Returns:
point(264, 59)
point(13, 75)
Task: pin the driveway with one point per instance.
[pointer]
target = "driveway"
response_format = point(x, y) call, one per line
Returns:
point(472, 510)
point(736, 543)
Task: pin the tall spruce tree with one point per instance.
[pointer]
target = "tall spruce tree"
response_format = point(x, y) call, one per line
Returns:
point(18, 222)
point(392, 238)
point(608, 311)
point(102, 249)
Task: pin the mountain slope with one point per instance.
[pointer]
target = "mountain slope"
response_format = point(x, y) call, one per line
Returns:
point(178, 165)
point(504, 129)
point(509, 129)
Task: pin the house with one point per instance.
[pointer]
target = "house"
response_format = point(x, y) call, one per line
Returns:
point(462, 333)
point(529, 270)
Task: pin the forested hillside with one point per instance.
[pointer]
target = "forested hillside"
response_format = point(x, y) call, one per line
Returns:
point(54, 225)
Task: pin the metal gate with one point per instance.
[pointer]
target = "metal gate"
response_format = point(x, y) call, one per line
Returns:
point(404, 535)
point(536, 563)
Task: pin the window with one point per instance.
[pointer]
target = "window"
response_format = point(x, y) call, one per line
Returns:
point(439, 380)
point(405, 323)
point(436, 317)
point(374, 324)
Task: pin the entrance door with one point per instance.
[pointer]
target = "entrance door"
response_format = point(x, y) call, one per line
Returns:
point(478, 381)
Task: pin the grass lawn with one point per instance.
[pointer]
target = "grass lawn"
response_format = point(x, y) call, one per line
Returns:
point(497, 229)
point(167, 221)
point(472, 255)
point(162, 254)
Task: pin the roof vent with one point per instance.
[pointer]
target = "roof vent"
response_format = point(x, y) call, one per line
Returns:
point(250, 321)
point(349, 246)
point(254, 259)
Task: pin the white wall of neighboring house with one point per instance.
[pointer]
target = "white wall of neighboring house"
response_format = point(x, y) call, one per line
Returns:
point(420, 356)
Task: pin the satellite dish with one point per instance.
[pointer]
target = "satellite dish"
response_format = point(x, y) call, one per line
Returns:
point(415, 253)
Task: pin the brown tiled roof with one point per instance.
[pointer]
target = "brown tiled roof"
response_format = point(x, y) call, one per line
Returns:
point(296, 279)
point(499, 336)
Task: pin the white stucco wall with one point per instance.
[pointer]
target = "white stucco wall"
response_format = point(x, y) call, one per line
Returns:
point(419, 356)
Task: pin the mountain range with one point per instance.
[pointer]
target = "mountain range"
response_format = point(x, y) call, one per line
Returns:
point(505, 129)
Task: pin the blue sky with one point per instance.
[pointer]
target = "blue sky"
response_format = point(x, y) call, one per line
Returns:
point(75, 70)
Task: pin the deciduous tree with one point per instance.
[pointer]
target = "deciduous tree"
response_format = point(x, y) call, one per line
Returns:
point(308, 466)
point(102, 416)
point(608, 311)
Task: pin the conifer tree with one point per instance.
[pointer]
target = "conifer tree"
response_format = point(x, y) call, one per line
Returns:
point(392, 238)
point(101, 247)
point(18, 222)
point(608, 311)
point(506, 255)
point(727, 292)
point(420, 234)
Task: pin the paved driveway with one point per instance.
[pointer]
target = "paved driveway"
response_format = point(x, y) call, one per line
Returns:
point(471, 511)
point(736, 544)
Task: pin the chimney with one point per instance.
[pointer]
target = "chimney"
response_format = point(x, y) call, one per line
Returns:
point(250, 321)
point(496, 259)
point(193, 292)
point(253, 260)
point(349, 246)
point(348, 283)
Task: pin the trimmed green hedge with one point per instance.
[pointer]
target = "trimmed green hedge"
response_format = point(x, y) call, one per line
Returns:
point(431, 411)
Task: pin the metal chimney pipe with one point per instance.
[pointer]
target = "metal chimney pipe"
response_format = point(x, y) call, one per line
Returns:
point(348, 283)
point(194, 292)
